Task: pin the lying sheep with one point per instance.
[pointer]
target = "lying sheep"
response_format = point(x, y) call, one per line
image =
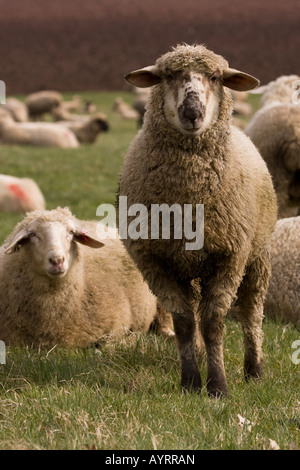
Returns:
point(42, 102)
point(275, 130)
point(87, 129)
point(39, 134)
point(55, 289)
point(187, 154)
point(126, 111)
point(20, 195)
point(17, 109)
point(283, 296)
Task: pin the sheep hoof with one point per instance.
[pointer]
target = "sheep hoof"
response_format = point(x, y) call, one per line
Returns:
point(217, 389)
point(191, 383)
point(254, 371)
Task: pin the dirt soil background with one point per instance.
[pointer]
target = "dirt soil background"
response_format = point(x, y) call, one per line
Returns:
point(77, 45)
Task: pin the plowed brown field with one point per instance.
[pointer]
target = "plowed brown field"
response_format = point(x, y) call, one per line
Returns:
point(73, 45)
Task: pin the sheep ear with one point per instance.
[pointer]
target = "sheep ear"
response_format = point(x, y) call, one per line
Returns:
point(239, 81)
point(144, 78)
point(82, 236)
point(20, 239)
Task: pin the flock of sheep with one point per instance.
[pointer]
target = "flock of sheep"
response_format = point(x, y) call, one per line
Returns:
point(59, 283)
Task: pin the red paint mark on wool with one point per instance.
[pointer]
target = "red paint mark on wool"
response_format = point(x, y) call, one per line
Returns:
point(17, 191)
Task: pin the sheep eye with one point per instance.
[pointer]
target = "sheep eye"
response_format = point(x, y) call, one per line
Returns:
point(169, 77)
point(213, 78)
point(31, 234)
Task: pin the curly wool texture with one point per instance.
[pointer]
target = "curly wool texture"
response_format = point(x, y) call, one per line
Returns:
point(101, 294)
point(275, 131)
point(220, 168)
point(283, 296)
point(196, 57)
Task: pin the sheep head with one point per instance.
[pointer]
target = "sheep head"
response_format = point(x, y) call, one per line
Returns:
point(192, 78)
point(50, 238)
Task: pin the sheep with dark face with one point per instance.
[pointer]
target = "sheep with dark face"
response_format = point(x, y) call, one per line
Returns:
point(187, 153)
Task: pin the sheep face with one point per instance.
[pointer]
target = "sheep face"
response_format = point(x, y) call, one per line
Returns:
point(192, 80)
point(191, 101)
point(51, 248)
point(50, 245)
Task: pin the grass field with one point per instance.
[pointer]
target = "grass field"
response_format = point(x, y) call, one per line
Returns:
point(126, 394)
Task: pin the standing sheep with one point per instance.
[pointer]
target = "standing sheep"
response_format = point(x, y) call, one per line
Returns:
point(55, 291)
point(283, 295)
point(20, 195)
point(275, 131)
point(187, 153)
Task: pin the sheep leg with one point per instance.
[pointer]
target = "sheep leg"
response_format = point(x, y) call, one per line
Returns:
point(184, 326)
point(217, 294)
point(251, 297)
point(212, 332)
point(178, 299)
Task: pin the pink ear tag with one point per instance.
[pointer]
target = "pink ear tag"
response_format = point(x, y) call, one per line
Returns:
point(84, 232)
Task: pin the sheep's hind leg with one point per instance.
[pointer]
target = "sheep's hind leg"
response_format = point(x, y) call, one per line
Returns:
point(184, 326)
point(251, 297)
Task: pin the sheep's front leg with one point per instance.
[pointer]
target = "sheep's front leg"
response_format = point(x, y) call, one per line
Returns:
point(184, 325)
point(179, 300)
point(218, 291)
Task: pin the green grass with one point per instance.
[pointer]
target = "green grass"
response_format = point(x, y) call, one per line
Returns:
point(80, 178)
point(126, 395)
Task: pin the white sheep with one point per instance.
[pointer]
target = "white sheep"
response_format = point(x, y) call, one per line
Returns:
point(20, 195)
point(283, 296)
point(124, 109)
point(42, 102)
point(56, 289)
point(17, 109)
point(41, 134)
point(275, 130)
point(187, 154)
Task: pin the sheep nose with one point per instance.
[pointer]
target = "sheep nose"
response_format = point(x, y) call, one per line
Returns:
point(192, 112)
point(56, 261)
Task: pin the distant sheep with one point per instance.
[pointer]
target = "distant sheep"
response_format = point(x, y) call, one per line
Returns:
point(40, 134)
point(17, 109)
point(55, 288)
point(275, 130)
point(42, 102)
point(283, 296)
point(187, 153)
point(140, 103)
point(20, 195)
point(87, 129)
point(124, 109)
